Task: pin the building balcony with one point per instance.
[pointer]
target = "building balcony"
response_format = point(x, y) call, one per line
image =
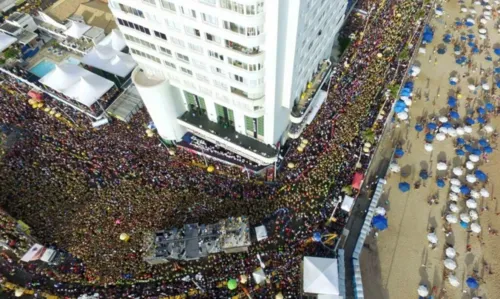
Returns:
point(242, 49)
point(227, 138)
point(319, 79)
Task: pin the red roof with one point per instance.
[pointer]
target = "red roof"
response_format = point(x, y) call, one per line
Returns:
point(357, 179)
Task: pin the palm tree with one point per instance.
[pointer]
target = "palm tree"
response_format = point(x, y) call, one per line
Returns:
point(369, 136)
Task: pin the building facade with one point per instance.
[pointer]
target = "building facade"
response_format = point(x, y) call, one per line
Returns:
point(235, 73)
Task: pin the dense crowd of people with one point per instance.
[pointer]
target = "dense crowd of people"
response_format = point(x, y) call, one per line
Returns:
point(79, 188)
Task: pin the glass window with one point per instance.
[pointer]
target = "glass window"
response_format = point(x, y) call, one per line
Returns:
point(168, 5)
point(166, 51)
point(186, 71)
point(215, 55)
point(212, 38)
point(209, 19)
point(160, 35)
point(182, 57)
point(169, 64)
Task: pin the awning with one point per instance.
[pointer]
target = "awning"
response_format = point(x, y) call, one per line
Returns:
point(35, 253)
point(114, 40)
point(6, 41)
point(261, 232)
point(110, 60)
point(320, 276)
point(77, 30)
point(347, 203)
point(357, 180)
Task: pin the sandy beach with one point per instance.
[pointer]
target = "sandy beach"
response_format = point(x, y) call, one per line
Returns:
point(399, 259)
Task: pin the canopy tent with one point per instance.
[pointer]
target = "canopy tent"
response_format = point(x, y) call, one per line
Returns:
point(77, 83)
point(357, 180)
point(347, 203)
point(259, 276)
point(34, 253)
point(6, 41)
point(110, 60)
point(114, 40)
point(261, 232)
point(320, 276)
point(77, 30)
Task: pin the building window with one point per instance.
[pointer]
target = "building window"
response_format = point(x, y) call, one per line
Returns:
point(134, 26)
point(233, 5)
point(238, 63)
point(255, 67)
point(186, 71)
point(169, 64)
point(165, 51)
point(225, 116)
point(188, 12)
point(217, 70)
point(177, 42)
point(260, 126)
point(145, 55)
point(168, 5)
point(139, 41)
point(212, 38)
point(208, 2)
point(202, 78)
point(182, 57)
point(153, 2)
point(195, 48)
point(172, 24)
point(215, 55)
point(234, 27)
point(238, 78)
point(160, 35)
point(131, 10)
point(209, 19)
point(250, 9)
point(192, 31)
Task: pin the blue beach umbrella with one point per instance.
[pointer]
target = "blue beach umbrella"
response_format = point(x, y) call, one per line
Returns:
point(431, 126)
point(464, 190)
point(487, 150)
point(471, 36)
point(458, 23)
point(452, 102)
point(454, 115)
point(460, 152)
point(404, 187)
point(481, 110)
point(468, 148)
point(497, 51)
point(471, 44)
point(380, 222)
point(498, 84)
point(481, 175)
point(472, 283)
point(460, 141)
point(424, 175)
point(440, 183)
point(419, 128)
point(483, 142)
point(456, 48)
point(489, 107)
point(441, 51)
point(399, 153)
point(429, 137)
point(497, 70)
point(475, 50)
point(409, 85)
point(463, 38)
point(481, 120)
point(489, 58)
point(464, 225)
point(476, 152)
point(447, 125)
point(469, 121)
point(316, 237)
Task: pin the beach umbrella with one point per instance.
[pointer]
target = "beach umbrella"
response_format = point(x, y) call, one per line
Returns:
point(488, 128)
point(474, 158)
point(450, 264)
point(454, 208)
point(453, 280)
point(488, 7)
point(422, 291)
point(423, 174)
point(481, 110)
point(469, 165)
point(431, 237)
point(452, 132)
point(490, 106)
point(404, 187)
point(464, 190)
point(476, 228)
point(481, 176)
point(431, 126)
point(484, 193)
point(443, 119)
point(380, 211)
point(469, 121)
point(483, 21)
point(399, 153)
point(472, 283)
point(482, 36)
point(487, 150)
point(440, 183)
point(464, 225)
point(232, 284)
point(450, 252)
point(482, 30)
point(441, 51)
point(468, 129)
point(455, 182)
point(443, 130)
point(380, 222)
point(473, 215)
point(441, 166)
point(450, 218)
point(468, 148)
point(440, 137)
point(452, 102)
point(291, 165)
point(483, 142)
point(465, 218)
point(472, 87)
point(402, 115)
point(414, 71)
point(455, 189)
point(460, 141)
point(476, 151)
point(471, 203)
point(447, 125)
point(475, 50)
point(428, 147)
point(487, 14)
point(471, 178)
point(429, 137)
point(463, 9)
point(454, 115)
point(453, 195)
point(460, 131)
point(394, 167)
point(419, 128)
point(481, 120)
point(453, 82)
point(458, 171)
point(497, 51)
point(474, 194)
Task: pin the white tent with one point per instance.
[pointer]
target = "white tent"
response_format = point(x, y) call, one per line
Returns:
point(62, 76)
point(77, 30)
point(261, 232)
point(114, 40)
point(35, 253)
point(6, 41)
point(321, 276)
point(109, 60)
point(347, 203)
point(259, 276)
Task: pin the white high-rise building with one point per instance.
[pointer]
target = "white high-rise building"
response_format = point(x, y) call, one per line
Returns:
point(242, 74)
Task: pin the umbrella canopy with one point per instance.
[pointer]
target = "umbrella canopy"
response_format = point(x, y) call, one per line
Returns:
point(424, 175)
point(399, 152)
point(402, 115)
point(481, 110)
point(454, 115)
point(481, 120)
point(481, 175)
point(404, 187)
point(422, 291)
point(453, 280)
point(450, 218)
point(490, 106)
point(455, 189)
point(483, 142)
point(458, 171)
point(429, 137)
point(452, 102)
point(441, 166)
point(473, 215)
point(431, 237)
point(488, 128)
point(469, 165)
point(443, 119)
point(443, 130)
point(380, 211)
point(472, 87)
point(460, 131)
point(464, 190)
point(232, 284)
point(460, 141)
point(455, 182)
point(452, 132)
point(472, 283)
point(474, 194)
point(453, 195)
point(450, 252)
point(487, 150)
point(476, 151)
point(484, 193)
point(380, 222)
point(394, 167)
point(450, 264)
point(440, 137)
point(471, 203)
point(465, 218)
point(454, 208)
point(419, 128)
point(476, 228)
point(431, 126)
point(474, 158)
point(440, 183)
point(469, 121)
point(470, 178)
point(428, 147)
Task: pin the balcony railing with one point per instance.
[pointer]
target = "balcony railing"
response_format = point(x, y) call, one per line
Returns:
point(242, 49)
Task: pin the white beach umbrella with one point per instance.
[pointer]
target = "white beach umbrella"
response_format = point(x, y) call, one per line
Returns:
point(472, 87)
point(455, 182)
point(488, 128)
point(469, 165)
point(394, 167)
point(484, 193)
point(415, 70)
point(482, 30)
point(468, 129)
point(471, 178)
point(438, 12)
point(440, 137)
point(407, 101)
point(463, 9)
point(452, 132)
point(431, 237)
point(474, 158)
point(453, 280)
point(453, 195)
point(460, 131)
point(441, 165)
point(402, 115)
point(469, 20)
point(454, 208)
point(475, 228)
point(471, 203)
point(455, 189)
point(485, 86)
point(465, 218)
point(428, 147)
point(450, 218)
point(458, 171)
point(473, 215)
point(380, 211)
point(443, 119)
point(422, 291)
point(477, 2)
point(474, 194)
point(450, 264)
point(450, 252)
point(482, 36)
point(483, 21)
point(443, 130)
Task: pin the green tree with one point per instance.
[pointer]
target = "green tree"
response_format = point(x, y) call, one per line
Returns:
point(347, 189)
point(405, 54)
point(394, 88)
point(368, 136)
point(10, 53)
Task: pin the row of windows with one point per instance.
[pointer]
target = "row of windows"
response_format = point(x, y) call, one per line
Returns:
point(134, 26)
point(145, 55)
point(131, 10)
point(242, 9)
point(139, 41)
